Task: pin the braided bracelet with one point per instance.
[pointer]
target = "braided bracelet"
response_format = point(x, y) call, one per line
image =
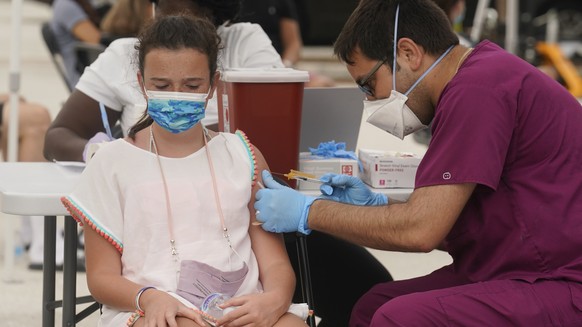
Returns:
point(138, 296)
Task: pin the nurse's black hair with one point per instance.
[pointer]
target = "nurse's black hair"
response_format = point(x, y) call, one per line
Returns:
point(371, 29)
point(175, 33)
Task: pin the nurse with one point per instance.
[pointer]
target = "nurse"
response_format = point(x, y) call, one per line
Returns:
point(500, 186)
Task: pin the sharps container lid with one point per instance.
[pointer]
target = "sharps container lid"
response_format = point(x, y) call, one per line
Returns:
point(275, 75)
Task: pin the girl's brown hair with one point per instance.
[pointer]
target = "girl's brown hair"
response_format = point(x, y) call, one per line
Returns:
point(175, 33)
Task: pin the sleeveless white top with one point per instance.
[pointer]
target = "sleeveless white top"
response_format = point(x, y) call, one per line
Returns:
point(121, 195)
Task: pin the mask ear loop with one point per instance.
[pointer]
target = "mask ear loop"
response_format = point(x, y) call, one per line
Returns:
point(147, 97)
point(429, 69)
point(143, 88)
point(394, 47)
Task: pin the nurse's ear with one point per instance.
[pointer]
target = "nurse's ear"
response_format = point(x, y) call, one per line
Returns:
point(410, 54)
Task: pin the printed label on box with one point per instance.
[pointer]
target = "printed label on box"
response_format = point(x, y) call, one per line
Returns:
point(320, 166)
point(384, 169)
point(348, 170)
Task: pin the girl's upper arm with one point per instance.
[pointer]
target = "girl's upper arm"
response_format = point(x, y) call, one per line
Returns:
point(264, 244)
point(261, 164)
point(102, 258)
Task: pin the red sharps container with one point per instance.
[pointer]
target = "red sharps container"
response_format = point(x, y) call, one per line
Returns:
point(266, 105)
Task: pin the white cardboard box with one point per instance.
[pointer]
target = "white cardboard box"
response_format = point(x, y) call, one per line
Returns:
point(320, 166)
point(388, 169)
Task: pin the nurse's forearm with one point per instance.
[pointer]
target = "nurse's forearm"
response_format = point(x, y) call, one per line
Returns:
point(418, 225)
point(379, 227)
point(63, 144)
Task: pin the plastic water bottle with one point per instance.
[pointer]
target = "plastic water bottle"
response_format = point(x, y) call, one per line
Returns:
point(211, 303)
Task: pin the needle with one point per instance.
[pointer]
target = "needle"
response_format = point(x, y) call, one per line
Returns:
point(301, 176)
point(306, 179)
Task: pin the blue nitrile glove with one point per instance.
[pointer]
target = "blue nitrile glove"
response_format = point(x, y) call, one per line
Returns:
point(350, 190)
point(280, 208)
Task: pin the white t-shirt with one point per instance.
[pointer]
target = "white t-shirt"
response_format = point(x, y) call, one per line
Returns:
point(112, 78)
point(121, 195)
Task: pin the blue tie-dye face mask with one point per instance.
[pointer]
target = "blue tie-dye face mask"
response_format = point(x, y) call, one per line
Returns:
point(176, 111)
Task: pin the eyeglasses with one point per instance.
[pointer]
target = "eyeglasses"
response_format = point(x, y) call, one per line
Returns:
point(363, 84)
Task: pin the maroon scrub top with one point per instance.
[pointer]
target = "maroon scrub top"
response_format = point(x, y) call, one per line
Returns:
point(517, 134)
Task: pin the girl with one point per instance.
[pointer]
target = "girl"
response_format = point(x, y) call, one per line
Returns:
point(167, 210)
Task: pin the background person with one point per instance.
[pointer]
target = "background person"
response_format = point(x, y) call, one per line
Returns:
point(278, 18)
point(280, 21)
point(169, 160)
point(126, 18)
point(111, 79)
point(74, 21)
point(499, 183)
point(33, 122)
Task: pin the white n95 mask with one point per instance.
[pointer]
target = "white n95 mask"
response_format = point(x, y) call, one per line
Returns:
point(392, 114)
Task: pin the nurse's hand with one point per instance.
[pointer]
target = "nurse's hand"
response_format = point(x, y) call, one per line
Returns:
point(350, 190)
point(281, 209)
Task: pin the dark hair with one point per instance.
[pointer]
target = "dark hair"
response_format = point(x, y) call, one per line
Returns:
point(217, 11)
point(174, 33)
point(371, 28)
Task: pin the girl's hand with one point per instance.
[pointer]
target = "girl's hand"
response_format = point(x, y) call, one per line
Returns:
point(161, 310)
point(259, 309)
